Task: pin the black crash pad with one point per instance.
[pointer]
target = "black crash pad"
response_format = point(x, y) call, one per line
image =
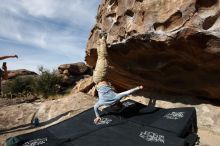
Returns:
point(132, 124)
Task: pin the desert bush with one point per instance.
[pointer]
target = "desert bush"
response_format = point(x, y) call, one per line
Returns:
point(19, 85)
point(45, 84)
point(48, 82)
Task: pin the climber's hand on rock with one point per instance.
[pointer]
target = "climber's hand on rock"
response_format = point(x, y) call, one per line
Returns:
point(97, 120)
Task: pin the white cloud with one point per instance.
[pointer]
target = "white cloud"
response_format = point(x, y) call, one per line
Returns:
point(61, 26)
point(39, 7)
point(80, 12)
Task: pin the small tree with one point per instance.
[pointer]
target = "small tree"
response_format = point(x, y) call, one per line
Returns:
point(48, 82)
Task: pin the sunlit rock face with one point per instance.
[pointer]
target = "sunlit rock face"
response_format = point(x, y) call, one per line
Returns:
point(170, 46)
point(20, 73)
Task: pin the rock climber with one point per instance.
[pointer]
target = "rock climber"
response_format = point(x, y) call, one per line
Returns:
point(3, 71)
point(107, 96)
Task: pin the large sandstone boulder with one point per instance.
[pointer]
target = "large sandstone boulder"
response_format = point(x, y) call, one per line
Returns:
point(85, 85)
point(20, 72)
point(79, 68)
point(170, 46)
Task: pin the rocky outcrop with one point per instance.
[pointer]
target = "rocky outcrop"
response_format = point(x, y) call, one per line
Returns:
point(72, 73)
point(85, 86)
point(169, 46)
point(73, 69)
point(20, 72)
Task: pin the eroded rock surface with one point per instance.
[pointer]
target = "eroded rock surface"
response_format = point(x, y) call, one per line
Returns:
point(170, 46)
point(84, 85)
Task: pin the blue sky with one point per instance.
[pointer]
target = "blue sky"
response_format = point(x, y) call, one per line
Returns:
point(45, 32)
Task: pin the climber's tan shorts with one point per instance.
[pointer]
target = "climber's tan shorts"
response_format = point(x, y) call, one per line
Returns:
point(101, 67)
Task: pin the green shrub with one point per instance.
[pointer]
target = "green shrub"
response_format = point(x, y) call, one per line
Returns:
point(48, 83)
point(19, 85)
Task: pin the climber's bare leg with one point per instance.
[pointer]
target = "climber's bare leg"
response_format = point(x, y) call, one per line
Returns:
point(6, 57)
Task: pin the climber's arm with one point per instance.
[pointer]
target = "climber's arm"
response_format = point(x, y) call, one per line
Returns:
point(98, 118)
point(97, 105)
point(6, 57)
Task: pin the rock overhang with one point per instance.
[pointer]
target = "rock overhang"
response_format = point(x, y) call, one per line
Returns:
point(169, 46)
